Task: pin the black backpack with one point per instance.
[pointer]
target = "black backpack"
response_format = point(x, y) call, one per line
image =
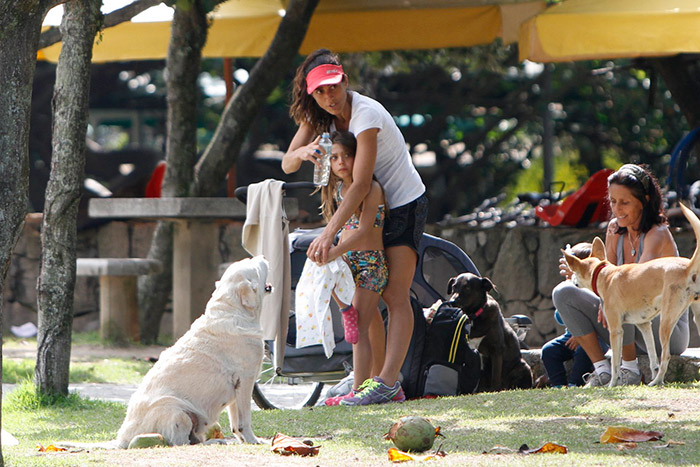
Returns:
point(439, 361)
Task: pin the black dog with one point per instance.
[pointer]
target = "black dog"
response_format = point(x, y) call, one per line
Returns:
point(494, 338)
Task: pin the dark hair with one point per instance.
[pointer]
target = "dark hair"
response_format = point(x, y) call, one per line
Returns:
point(328, 192)
point(347, 139)
point(304, 107)
point(642, 184)
point(582, 250)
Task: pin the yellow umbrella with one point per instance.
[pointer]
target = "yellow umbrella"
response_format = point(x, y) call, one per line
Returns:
point(603, 29)
point(245, 28)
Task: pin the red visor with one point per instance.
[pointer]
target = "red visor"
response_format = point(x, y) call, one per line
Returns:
point(323, 75)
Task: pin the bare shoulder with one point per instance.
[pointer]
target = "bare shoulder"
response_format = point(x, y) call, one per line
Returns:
point(659, 241)
point(661, 232)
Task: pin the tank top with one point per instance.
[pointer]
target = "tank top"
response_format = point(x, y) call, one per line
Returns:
point(621, 248)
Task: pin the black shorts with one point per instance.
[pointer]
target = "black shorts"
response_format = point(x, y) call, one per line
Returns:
point(405, 225)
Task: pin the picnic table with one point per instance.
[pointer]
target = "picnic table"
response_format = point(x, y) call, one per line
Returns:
point(195, 238)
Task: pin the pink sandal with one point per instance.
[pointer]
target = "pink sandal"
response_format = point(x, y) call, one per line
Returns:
point(350, 324)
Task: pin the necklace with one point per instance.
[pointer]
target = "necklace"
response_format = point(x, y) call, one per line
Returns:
point(634, 248)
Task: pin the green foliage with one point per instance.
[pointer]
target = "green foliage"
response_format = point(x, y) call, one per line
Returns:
point(113, 370)
point(567, 170)
point(26, 397)
point(14, 371)
point(479, 110)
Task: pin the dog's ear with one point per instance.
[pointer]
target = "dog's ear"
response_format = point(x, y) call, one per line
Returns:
point(573, 261)
point(247, 294)
point(451, 285)
point(598, 249)
point(486, 284)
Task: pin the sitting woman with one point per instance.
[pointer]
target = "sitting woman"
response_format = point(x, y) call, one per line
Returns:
point(637, 233)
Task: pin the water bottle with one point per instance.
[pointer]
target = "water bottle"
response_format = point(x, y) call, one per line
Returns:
point(323, 173)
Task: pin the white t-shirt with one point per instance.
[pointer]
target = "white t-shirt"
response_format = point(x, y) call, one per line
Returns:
point(393, 168)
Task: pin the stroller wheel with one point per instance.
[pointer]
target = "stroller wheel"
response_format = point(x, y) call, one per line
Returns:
point(286, 396)
point(272, 391)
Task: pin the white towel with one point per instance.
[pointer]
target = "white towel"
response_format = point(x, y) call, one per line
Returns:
point(313, 298)
point(265, 232)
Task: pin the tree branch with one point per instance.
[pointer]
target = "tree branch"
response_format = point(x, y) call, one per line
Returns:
point(53, 34)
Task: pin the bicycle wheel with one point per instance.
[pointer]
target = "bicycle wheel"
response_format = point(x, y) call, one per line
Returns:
point(272, 391)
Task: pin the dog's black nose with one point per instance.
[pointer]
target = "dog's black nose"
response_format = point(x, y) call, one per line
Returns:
point(268, 288)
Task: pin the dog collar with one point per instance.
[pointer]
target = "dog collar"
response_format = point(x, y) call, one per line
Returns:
point(594, 280)
point(476, 315)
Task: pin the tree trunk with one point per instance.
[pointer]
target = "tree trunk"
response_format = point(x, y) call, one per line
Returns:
point(222, 151)
point(56, 283)
point(20, 26)
point(676, 73)
point(239, 113)
point(188, 36)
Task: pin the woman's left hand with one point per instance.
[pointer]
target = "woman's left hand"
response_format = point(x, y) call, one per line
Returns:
point(318, 250)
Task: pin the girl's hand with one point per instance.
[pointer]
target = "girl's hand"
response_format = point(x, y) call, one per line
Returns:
point(601, 317)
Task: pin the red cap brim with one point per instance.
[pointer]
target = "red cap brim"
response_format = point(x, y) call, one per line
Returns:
point(323, 75)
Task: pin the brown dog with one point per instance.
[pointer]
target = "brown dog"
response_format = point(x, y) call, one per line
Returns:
point(637, 293)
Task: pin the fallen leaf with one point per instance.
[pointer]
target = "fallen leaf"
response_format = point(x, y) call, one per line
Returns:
point(671, 443)
point(625, 446)
point(50, 448)
point(286, 446)
point(500, 450)
point(621, 434)
point(544, 449)
point(399, 456)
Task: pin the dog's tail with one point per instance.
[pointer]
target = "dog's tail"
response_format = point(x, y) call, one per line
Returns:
point(695, 224)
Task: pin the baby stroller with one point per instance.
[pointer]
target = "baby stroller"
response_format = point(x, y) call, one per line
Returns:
point(296, 379)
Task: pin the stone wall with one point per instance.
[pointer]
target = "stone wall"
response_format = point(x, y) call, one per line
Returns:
point(522, 262)
point(110, 240)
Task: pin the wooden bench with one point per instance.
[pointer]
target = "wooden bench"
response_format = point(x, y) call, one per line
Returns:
point(119, 310)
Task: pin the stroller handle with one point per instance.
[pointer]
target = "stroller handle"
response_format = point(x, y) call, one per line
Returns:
point(242, 191)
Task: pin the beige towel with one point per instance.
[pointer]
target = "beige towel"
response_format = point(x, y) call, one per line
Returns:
point(266, 232)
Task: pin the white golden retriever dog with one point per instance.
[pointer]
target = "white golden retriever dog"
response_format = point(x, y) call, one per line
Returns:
point(212, 367)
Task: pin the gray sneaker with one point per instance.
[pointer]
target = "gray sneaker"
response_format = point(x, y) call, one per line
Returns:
point(629, 377)
point(374, 391)
point(595, 380)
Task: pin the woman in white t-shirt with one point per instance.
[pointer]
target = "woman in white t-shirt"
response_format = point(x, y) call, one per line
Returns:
point(322, 102)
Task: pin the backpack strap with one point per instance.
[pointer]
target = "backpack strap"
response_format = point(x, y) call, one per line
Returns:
point(456, 337)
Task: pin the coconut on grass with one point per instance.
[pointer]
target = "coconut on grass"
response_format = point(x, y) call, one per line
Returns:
point(414, 434)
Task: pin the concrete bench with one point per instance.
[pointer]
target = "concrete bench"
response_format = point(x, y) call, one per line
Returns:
point(682, 368)
point(119, 310)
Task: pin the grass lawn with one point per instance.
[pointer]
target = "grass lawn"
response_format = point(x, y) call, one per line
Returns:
point(473, 425)
point(353, 436)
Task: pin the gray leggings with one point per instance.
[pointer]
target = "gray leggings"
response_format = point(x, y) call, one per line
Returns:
point(579, 311)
